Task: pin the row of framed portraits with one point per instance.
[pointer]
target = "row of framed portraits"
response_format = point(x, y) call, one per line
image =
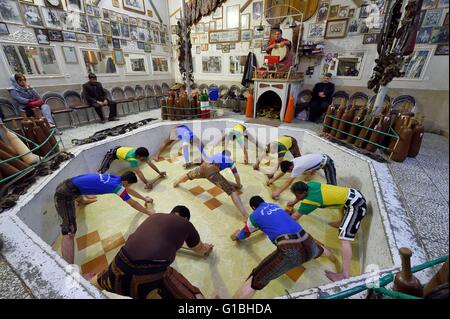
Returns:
point(226, 36)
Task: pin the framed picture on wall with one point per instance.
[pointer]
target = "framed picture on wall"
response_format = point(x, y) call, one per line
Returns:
point(364, 11)
point(439, 35)
point(55, 35)
point(140, 45)
point(322, 12)
point(219, 24)
point(233, 15)
point(116, 43)
point(205, 47)
point(197, 49)
point(81, 37)
point(212, 25)
point(336, 29)
point(212, 64)
point(42, 36)
point(424, 35)
point(133, 21)
point(69, 36)
point(123, 42)
point(353, 26)
point(10, 12)
point(246, 35)
point(441, 49)
point(257, 10)
point(75, 6)
point(432, 18)
point(429, 4)
point(224, 36)
point(442, 4)
point(118, 57)
point(416, 63)
point(334, 12)
point(225, 48)
point(3, 28)
point(54, 4)
point(70, 55)
point(371, 38)
point(161, 64)
point(316, 30)
point(245, 21)
point(136, 63)
point(105, 13)
point(53, 18)
point(106, 28)
point(102, 43)
point(343, 12)
point(134, 5)
point(116, 3)
point(218, 14)
point(351, 13)
point(89, 10)
point(94, 25)
point(31, 15)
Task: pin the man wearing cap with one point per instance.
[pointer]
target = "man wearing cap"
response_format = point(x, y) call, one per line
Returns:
point(96, 97)
point(322, 96)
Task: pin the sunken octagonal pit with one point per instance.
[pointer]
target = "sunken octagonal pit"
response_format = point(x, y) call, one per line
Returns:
point(31, 229)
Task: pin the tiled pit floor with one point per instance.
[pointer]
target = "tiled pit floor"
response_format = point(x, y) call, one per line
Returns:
point(104, 226)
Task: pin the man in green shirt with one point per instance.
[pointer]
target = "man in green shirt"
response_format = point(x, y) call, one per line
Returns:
point(314, 195)
point(134, 156)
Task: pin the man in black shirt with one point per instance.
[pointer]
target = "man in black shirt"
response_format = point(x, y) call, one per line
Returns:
point(322, 97)
point(95, 96)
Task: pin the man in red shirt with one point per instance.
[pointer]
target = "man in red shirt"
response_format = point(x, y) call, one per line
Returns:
point(276, 42)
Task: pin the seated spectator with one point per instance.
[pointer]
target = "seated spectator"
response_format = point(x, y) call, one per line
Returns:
point(26, 98)
point(95, 96)
point(321, 98)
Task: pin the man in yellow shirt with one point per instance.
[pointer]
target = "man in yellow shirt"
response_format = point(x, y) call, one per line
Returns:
point(134, 156)
point(314, 195)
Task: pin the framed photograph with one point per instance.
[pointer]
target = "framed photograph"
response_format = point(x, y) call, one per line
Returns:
point(70, 55)
point(225, 48)
point(334, 12)
point(441, 49)
point(322, 12)
point(206, 27)
point(102, 43)
point(3, 28)
point(257, 10)
point(363, 27)
point(429, 4)
point(336, 29)
point(115, 29)
point(424, 35)
point(415, 64)
point(125, 30)
point(42, 36)
point(118, 57)
point(219, 24)
point(133, 33)
point(199, 28)
point(442, 4)
point(57, 4)
point(31, 15)
point(89, 9)
point(205, 47)
point(123, 42)
point(371, 38)
point(245, 21)
point(258, 34)
point(116, 43)
point(351, 13)
point(125, 19)
point(97, 12)
point(136, 63)
point(218, 14)
point(160, 64)
point(106, 28)
point(105, 13)
point(81, 37)
point(147, 47)
point(316, 30)
point(224, 36)
point(55, 35)
point(246, 35)
point(134, 5)
point(116, 3)
point(10, 12)
point(140, 45)
point(343, 12)
point(267, 32)
point(233, 15)
point(119, 18)
point(69, 36)
point(212, 64)
point(439, 35)
point(75, 6)
point(364, 11)
point(133, 21)
point(212, 26)
point(113, 16)
point(257, 44)
point(94, 25)
point(197, 49)
point(53, 18)
point(353, 26)
point(432, 18)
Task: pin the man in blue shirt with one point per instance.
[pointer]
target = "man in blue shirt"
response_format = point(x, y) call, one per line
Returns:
point(294, 245)
point(187, 138)
point(211, 170)
point(91, 184)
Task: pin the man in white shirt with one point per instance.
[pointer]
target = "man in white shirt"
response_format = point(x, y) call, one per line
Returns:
point(308, 164)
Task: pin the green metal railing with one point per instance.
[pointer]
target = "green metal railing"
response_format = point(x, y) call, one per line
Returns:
point(36, 147)
point(387, 279)
point(393, 135)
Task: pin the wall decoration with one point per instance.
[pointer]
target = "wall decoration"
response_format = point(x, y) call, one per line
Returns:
point(32, 15)
point(97, 12)
point(219, 47)
point(116, 43)
point(106, 28)
point(81, 37)
point(94, 25)
point(257, 10)
point(55, 35)
point(212, 26)
point(414, 65)
point(442, 4)
point(322, 13)
point(119, 18)
point(429, 4)
point(143, 34)
point(316, 30)
point(365, 11)
point(35, 60)
point(10, 12)
point(140, 45)
point(76, 22)
point(206, 27)
point(204, 47)
point(219, 24)
point(54, 4)
point(225, 48)
point(257, 44)
point(123, 42)
point(258, 34)
point(236, 67)
point(343, 12)
point(53, 18)
point(115, 29)
point(70, 55)
point(136, 63)
point(336, 29)
point(424, 35)
point(363, 27)
point(212, 64)
point(199, 28)
point(224, 36)
point(233, 14)
point(202, 38)
point(353, 26)
point(218, 14)
point(75, 6)
point(147, 47)
point(116, 3)
point(351, 13)
point(113, 16)
point(197, 49)
point(118, 57)
point(160, 65)
point(89, 9)
point(150, 13)
point(246, 35)
point(125, 30)
point(102, 43)
point(439, 35)
point(441, 49)
point(245, 21)
point(42, 36)
point(125, 19)
point(134, 5)
point(432, 18)
point(3, 28)
point(133, 21)
point(105, 13)
point(371, 38)
point(334, 12)
point(267, 32)
point(69, 36)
